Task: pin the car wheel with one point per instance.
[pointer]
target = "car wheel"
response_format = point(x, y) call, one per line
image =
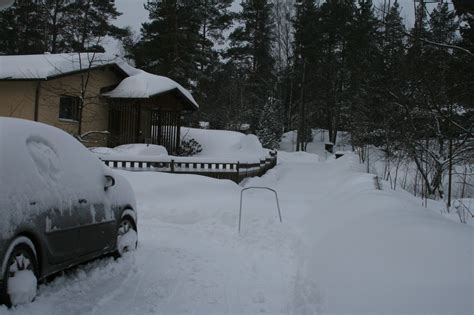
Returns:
point(127, 239)
point(20, 284)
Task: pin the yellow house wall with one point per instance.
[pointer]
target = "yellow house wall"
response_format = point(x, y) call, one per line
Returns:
point(17, 99)
point(20, 96)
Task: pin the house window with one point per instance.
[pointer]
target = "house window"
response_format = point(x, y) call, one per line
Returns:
point(69, 108)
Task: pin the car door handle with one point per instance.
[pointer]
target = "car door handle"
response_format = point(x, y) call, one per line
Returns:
point(81, 201)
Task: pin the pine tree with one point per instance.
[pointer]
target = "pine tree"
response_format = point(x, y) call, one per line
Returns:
point(57, 14)
point(89, 22)
point(215, 19)
point(307, 53)
point(464, 63)
point(270, 127)
point(31, 27)
point(23, 28)
point(330, 69)
point(170, 41)
point(251, 51)
point(364, 115)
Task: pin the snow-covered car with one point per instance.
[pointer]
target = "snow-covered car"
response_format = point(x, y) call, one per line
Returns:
point(59, 206)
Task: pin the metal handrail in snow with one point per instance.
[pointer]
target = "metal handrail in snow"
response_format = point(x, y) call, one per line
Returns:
point(257, 187)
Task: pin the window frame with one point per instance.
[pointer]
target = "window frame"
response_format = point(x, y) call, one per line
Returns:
point(74, 103)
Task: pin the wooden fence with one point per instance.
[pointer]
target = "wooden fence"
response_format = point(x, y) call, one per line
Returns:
point(233, 171)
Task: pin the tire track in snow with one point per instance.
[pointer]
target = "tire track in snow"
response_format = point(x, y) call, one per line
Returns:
point(112, 295)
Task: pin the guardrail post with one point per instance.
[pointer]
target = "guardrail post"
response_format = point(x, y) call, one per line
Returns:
point(172, 166)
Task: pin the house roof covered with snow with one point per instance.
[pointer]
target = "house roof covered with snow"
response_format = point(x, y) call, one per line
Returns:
point(48, 66)
point(146, 85)
point(136, 83)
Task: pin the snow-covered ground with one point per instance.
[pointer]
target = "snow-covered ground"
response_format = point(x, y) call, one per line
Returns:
point(344, 247)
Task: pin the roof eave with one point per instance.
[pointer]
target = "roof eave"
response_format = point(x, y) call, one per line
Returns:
point(191, 104)
point(187, 100)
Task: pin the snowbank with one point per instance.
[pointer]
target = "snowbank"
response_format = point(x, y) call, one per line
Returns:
point(218, 146)
point(131, 150)
point(381, 252)
point(226, 145)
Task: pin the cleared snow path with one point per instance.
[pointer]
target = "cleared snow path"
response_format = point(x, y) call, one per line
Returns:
point(343, 247)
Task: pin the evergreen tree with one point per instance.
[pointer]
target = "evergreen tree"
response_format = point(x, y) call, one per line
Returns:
point(251, 51)
point(170, 41)
point(365, 62)
point(307, 54)
point(270, 127)
point(30, 27)
point(57, 14)
point(89, 22)
point(180, 42)
point(464, 63)
point(334, 26)
point(23, 28)
point(215, 19)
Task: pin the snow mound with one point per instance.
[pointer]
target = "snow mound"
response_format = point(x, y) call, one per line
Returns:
point(141, 149)
point(250, 144)
point(103, 150)
point(214, 196)
point(226, 144)
point(133, 149)
point(289, 136)
point(22, 287)
point(213, 142)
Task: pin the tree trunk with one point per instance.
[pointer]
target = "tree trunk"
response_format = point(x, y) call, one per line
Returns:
point(300, 136)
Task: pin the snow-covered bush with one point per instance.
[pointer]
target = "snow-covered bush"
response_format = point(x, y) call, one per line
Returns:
point(189, 147)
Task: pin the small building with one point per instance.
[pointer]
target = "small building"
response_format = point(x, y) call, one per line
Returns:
point(96, 97)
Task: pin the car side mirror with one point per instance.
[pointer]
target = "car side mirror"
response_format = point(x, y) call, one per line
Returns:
point(109, 182)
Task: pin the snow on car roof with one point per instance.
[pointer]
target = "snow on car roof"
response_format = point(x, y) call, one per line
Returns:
point(45, 66)
point(145, 85)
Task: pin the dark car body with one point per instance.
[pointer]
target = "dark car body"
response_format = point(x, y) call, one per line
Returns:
point(59, 195)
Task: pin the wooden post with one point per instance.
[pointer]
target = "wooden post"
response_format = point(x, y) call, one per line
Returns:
point(238, 172)
point(172, 166)
point(37, 96)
